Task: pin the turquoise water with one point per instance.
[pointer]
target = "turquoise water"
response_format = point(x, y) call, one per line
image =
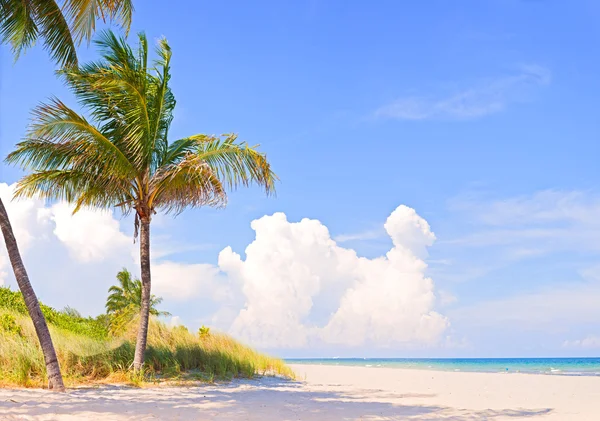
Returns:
point(554, 366)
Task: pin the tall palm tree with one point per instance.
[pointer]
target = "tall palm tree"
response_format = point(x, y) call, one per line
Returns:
point(121, 155)
point(125, 301)
point(61, 27)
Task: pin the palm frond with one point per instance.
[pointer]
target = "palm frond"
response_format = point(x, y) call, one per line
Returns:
point(59, 138)
point(17, 25)
point(62, 29)
point(120, 11)
point(233, 163)
point(125, 280)
point(55, 32)
point(190, 182)
point(84, 14)
point(125, 85)
point(162, 102)
point(82, 188)
point(115, 290)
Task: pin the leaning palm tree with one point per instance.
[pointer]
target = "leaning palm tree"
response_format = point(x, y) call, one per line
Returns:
point(121, 155)
point(61, 27)
point(125, 301)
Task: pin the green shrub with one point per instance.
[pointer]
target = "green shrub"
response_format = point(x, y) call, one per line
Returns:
point(9, 324)
point(204, 331)
point(12, 300)
point(68, 319)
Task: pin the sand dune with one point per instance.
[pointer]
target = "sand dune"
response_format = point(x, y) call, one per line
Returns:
point(327, 393)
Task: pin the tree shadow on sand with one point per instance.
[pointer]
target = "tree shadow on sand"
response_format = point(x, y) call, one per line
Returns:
point(263, 399)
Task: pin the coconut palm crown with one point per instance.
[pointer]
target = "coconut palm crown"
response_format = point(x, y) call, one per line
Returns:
point(121, 155)
point(125, 301)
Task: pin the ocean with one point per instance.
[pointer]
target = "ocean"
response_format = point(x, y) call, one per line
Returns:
point(551, 366)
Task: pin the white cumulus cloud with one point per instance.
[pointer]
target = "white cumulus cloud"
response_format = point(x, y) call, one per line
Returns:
point(379, 302)
point(183, 282)
point(89, 235)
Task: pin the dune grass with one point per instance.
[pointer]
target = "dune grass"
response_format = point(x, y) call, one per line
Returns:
point(88, 354)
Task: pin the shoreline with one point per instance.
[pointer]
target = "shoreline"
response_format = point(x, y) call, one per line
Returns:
point(325, 393)
point(566, 366)
point(297, 366)
point(440, 370)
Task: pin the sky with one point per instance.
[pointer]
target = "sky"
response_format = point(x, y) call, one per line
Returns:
point(438, 166)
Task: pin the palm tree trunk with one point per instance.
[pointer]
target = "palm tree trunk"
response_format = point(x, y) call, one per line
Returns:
point(55, 380)
point(140, 346)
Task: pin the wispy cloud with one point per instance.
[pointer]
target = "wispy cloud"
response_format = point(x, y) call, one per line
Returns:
point(446, 298)
point(555, 308)
point(589, 342)
point(532, 224)
point(494, 234)
point(361, 236)
point(486, 97)
point(543, 207)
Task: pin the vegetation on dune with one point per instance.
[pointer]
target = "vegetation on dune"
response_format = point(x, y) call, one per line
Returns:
point(88, 353)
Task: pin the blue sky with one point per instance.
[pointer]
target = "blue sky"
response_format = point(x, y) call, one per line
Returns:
point(480, 116)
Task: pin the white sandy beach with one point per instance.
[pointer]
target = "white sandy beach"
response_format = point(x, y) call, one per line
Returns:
point(327, 393)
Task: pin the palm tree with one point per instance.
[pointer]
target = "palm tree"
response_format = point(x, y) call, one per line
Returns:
point(22, 22)
point(125, 301)
point(122, 157)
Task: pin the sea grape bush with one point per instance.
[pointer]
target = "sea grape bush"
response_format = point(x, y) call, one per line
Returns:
point(9, 324)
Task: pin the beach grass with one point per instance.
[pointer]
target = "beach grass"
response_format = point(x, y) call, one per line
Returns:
point(88, 354)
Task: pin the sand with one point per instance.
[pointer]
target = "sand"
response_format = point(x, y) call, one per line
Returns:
point(327, 393)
